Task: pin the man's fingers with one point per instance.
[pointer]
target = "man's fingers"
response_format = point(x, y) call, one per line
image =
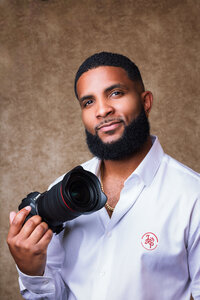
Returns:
point(28, 242)
point(45, 240)
point(17, 220)
point(38, 233)
point(12, 215)
point(30, 226)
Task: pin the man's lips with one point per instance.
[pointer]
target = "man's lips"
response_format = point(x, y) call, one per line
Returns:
point(109, 126)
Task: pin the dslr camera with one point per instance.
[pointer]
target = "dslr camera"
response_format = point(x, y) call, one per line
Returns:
point(78, 193)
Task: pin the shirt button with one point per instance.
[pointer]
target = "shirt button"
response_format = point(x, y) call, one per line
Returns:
point(109, 234)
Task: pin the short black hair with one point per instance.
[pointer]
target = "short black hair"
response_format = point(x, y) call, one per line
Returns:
point(109, 59)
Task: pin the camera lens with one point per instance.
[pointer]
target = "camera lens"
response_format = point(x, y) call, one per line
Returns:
point(81, 190)
point(78, 193)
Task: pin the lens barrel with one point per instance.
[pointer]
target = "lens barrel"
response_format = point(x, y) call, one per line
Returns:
point(78, 193)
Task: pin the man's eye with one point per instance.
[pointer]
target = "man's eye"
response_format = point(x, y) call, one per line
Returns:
point(117, 93)
point(88, 102)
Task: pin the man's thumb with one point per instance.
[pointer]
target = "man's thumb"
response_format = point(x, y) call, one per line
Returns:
point(12, 215)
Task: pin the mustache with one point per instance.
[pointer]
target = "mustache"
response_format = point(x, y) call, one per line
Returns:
point(109, 120)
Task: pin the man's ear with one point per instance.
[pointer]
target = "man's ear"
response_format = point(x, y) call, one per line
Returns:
point(147, 101)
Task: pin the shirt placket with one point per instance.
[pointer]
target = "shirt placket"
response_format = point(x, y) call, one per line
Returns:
point(106, 254)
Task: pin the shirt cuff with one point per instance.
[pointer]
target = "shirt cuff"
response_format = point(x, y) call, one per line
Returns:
point(36, 284)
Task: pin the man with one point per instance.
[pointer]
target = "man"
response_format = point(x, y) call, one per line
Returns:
point(145, 243)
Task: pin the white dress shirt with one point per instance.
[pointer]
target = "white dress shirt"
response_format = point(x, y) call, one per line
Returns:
point(148, 250)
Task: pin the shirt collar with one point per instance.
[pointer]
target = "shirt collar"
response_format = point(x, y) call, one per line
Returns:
point(150, 164)
point(147, 168)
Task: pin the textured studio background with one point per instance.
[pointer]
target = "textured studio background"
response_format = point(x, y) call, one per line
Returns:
point(42, 43)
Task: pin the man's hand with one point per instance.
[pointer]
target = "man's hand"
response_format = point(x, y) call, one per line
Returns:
point(28, 243)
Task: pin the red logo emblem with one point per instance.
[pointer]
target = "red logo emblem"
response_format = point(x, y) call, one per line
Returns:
point(149, 241)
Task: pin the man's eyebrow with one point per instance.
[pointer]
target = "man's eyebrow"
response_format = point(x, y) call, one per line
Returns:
point(85, 98)
point(114, 86)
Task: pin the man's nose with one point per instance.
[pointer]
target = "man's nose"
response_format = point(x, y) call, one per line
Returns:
point(103, 108)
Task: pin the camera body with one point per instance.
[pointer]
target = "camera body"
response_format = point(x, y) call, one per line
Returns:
point(32, 200)
point(78, 193)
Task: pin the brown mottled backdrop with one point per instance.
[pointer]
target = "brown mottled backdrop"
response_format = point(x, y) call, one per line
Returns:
point(42, 44)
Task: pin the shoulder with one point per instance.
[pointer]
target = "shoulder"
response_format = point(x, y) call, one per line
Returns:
point(179, 168)
point(180, 174)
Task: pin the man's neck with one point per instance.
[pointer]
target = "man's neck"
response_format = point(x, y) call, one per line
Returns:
point(125, 167)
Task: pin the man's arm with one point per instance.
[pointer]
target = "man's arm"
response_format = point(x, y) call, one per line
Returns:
point(194, 250)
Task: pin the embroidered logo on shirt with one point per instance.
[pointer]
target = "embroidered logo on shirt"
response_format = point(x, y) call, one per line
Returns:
point(149, 241)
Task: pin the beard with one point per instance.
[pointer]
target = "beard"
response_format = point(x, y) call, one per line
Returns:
point(133, 139)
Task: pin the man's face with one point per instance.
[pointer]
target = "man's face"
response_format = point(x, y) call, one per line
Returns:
point(109, 102)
